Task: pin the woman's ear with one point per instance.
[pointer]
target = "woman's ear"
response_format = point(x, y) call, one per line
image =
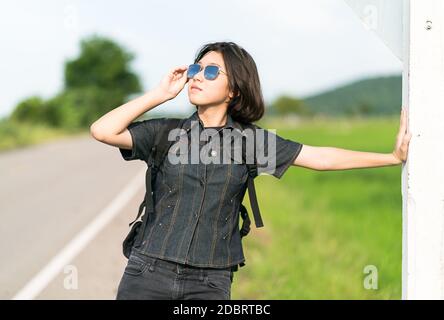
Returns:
point(231, 95)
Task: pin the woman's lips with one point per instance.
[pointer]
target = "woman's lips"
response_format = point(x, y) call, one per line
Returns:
point(195, 90)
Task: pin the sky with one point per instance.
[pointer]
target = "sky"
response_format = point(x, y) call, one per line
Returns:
point(300, 47)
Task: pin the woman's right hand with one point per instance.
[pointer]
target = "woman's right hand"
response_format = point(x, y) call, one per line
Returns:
point(172, 84)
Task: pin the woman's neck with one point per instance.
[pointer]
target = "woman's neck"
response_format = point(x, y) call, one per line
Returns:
point(212, 117)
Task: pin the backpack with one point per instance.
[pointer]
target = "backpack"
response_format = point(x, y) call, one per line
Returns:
point(155, 159)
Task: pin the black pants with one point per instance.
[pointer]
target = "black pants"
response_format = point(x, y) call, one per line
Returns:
point(149, 278)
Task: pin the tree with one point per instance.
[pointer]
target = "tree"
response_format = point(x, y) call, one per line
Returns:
point(286, 105)
point(104, 64)
point(79, 107)
point(96, 81)
point(31, 109)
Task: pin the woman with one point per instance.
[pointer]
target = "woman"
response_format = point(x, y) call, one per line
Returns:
point(191, 245)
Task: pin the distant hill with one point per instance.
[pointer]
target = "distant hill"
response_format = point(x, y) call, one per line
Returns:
point(372, 96)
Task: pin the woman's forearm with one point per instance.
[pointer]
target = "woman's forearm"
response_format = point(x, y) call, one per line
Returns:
point(116, 120)
point(331, 158)
point(342, 159)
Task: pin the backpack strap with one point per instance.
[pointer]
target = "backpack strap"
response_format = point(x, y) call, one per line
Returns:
point(252, 173)
point(164, 144)
point(155, 158)
point(246, 221)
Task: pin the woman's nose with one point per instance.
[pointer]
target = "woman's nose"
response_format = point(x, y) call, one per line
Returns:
point(199, 75)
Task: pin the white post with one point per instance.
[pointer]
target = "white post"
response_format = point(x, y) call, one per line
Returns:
point(423, 174)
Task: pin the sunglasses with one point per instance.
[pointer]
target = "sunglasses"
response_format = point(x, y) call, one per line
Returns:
point(210, 72)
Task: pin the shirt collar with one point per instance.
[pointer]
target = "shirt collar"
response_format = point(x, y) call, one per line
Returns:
point(194, 119)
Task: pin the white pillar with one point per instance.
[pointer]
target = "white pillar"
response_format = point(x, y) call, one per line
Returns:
point(423, 174)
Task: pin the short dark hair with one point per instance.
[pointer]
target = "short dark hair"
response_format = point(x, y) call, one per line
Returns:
point(247, 104)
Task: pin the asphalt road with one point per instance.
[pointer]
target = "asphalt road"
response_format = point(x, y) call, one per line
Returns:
point(49, 193)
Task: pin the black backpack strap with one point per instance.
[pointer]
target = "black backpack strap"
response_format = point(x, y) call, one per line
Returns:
point(142, 204)
point(252, 173)
point(253, 202)
point(157, 154)
point(164, 144)
point(246, 221)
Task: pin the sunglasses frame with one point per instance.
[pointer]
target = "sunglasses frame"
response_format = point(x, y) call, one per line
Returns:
point(219, 70)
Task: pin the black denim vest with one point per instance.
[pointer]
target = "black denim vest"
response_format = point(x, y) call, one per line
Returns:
point(196, 205)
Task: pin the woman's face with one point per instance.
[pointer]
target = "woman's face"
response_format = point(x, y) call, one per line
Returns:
point(214, 92)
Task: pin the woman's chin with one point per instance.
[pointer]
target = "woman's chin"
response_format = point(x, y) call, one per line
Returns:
point(195, 101)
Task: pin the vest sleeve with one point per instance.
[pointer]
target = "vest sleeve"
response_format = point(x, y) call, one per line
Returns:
point(143, 135)
point(275, 154)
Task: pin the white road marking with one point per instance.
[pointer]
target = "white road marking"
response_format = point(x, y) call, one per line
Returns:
point(76, 245)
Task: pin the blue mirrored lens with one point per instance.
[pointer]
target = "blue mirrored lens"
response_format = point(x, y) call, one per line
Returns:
point(211, 72)
point(193, 69)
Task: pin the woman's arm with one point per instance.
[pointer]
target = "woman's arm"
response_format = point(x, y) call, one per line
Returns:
point(111, 128)
point(330, 158)
point(116, 120)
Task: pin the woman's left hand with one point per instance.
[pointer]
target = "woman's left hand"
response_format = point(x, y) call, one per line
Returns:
point(402, 139)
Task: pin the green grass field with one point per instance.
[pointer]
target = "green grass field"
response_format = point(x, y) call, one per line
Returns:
point(15, 135)
point(323, 227)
